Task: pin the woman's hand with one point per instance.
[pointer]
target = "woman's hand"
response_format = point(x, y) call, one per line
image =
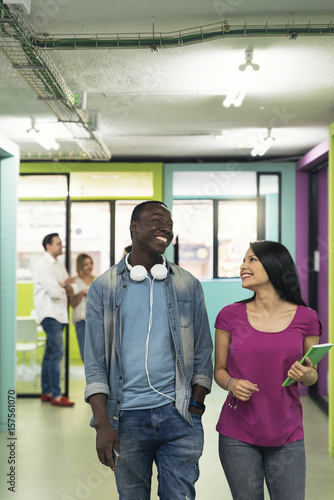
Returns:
point(243, 389)
point(306, 375)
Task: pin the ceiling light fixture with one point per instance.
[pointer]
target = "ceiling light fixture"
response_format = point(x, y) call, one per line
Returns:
point(234, 98)
point(249, 62)
point(262, 145)
point(44, 141)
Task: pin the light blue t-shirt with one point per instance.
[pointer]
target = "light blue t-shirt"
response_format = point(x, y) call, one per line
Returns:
point(137, 393)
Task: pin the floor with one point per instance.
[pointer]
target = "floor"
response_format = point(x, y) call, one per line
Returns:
point(56, 460)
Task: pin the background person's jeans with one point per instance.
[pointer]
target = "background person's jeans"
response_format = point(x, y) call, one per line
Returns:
point(53, 354)
point(246, 466)
point(80, 331)
point(162, 435)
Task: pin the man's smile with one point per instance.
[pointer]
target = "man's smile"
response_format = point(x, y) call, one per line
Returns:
point(162, 238)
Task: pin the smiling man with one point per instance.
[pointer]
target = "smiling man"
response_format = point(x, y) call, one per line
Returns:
point(148, 364)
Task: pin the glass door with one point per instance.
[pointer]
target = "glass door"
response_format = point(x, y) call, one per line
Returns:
point(123, 211)
point(91, 233)
point(35, 219)
point(91, 229)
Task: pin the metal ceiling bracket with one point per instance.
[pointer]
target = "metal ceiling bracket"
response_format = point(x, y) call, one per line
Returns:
point(40, 72)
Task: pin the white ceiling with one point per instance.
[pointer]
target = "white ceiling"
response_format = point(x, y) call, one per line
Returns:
point(167, 104)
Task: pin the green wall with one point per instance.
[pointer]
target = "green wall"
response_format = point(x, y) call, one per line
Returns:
point(67, 167)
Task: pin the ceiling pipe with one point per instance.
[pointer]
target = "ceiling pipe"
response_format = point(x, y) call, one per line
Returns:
point(177, 38)
point(162, 40)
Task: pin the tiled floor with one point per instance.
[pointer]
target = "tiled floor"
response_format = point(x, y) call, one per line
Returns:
point(56, 457)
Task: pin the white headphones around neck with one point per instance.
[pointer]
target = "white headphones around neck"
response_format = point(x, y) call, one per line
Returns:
point(139, 273)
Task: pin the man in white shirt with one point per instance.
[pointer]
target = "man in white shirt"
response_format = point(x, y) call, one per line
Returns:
point(51, 287)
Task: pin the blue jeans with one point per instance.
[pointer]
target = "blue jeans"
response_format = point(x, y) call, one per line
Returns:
point(162, 435)
point(53, 354)
point(80, 331)
point(246, 466)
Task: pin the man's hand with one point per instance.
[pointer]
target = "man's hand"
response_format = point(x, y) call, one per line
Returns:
point(106, 436)
point(106, 440)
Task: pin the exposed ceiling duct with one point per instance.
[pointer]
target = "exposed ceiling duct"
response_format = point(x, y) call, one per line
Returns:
point(179, 38)
point(38, 69)
point(156, 104)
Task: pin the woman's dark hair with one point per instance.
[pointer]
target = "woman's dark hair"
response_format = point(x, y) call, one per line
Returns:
point(281, 270)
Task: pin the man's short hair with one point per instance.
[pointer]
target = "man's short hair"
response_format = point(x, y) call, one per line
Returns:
point(136, 213)
point(139, 208)
point(47, 240)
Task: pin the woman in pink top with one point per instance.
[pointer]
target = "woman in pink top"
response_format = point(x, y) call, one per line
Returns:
point(258, 344)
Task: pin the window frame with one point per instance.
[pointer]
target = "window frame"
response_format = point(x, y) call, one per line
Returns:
point(260, 217)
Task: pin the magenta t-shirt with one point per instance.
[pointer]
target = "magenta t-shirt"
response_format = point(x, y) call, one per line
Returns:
point(272, 416)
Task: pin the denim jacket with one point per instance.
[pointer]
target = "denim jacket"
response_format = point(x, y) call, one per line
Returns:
point(189, 327)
